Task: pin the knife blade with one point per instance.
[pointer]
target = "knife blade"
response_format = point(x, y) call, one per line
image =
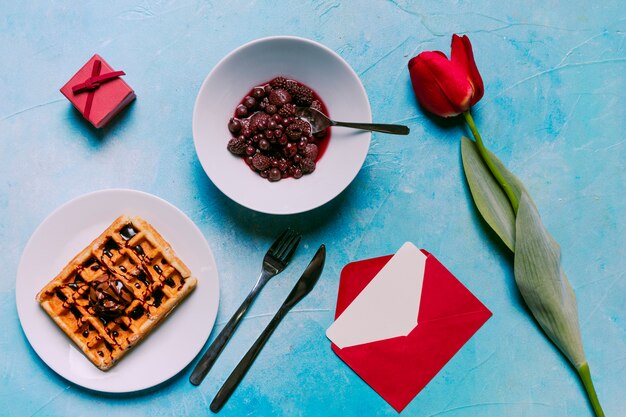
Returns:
point(304, 286)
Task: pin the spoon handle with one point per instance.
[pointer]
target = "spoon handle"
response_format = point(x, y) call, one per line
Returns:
point(377, 127)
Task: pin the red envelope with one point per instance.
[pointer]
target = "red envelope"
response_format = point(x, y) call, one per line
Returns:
point(399, 368)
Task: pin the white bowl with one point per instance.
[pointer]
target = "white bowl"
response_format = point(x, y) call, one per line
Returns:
point(256, 63)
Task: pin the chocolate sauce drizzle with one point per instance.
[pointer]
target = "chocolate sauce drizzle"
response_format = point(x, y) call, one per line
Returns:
point(127, 232)
point(109, 246)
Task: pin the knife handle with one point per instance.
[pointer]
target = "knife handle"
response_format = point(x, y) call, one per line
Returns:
point(242, 368)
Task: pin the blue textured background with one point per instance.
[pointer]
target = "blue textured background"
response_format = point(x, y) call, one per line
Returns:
point(554, 111)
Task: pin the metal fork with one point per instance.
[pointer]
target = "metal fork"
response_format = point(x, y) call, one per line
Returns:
point(274, 262)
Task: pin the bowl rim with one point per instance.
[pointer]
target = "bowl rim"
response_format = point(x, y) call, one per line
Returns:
point(267, 39)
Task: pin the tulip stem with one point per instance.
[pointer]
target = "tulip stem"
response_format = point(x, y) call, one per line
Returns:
point(494, 170)
point(585, 376)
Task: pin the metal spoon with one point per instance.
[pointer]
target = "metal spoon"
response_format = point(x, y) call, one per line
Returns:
point(319, 121)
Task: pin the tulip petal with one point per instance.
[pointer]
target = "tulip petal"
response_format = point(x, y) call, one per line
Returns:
point(463, 56)
point(440, 86)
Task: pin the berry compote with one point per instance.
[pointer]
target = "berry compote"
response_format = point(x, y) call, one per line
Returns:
point(269, 137)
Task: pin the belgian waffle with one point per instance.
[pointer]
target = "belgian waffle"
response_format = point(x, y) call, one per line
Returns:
point(116, 290)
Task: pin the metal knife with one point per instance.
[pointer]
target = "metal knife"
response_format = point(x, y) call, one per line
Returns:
point(304, 286)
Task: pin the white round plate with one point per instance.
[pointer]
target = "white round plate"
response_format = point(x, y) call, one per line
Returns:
point(172, 345)
point(256, 63)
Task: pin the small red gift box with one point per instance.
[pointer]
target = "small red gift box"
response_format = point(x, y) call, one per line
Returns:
point(98, 92)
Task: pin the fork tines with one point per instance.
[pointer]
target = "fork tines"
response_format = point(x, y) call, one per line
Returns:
point(285, 245)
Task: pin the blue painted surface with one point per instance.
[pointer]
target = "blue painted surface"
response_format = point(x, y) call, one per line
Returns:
point(554, 111)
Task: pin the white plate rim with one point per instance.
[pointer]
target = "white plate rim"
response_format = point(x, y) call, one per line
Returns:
point(208, 320)
point(196, 110)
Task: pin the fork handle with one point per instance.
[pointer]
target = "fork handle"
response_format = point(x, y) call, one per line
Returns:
point(376, 127)
point(242, 367)
point(210, 356)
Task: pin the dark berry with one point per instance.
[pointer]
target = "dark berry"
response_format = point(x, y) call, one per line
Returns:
point(287, 110)
point(290, 150)
point(269, 133)
point(277, 119)
point(234, 125)
point(297, 159)
point(279, 97)
point(258, 92)
point(250, 150)
point(264, 144)
point(271, 109)
point(245, 123)
point(249, 102)
point(267, 89)
point(290, 85)
point(246, 132)
point(302, 96)
point(282, 165)
point(248, 160)
point(282, 139)
point(311, 151)
point(278, 133)
point(307, 165)
point(265, 173)
point(241, 111)
point(279, 82)
point(297, 129)
point(260, 162)
point(258, 121)
point(302, 144)
point(237, 146)
point(274, 174)
point(297, 173)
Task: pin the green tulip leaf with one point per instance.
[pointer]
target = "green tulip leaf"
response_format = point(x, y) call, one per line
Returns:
point(491, 201)
point(538, 271)
point(543, 284)
point(537, 264)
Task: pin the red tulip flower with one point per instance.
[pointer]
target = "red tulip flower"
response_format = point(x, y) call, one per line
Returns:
point(447, 87)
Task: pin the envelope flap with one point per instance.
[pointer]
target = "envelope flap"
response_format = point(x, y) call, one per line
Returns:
point(459, 300)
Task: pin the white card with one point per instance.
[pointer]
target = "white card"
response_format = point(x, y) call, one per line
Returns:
point(388, 306)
